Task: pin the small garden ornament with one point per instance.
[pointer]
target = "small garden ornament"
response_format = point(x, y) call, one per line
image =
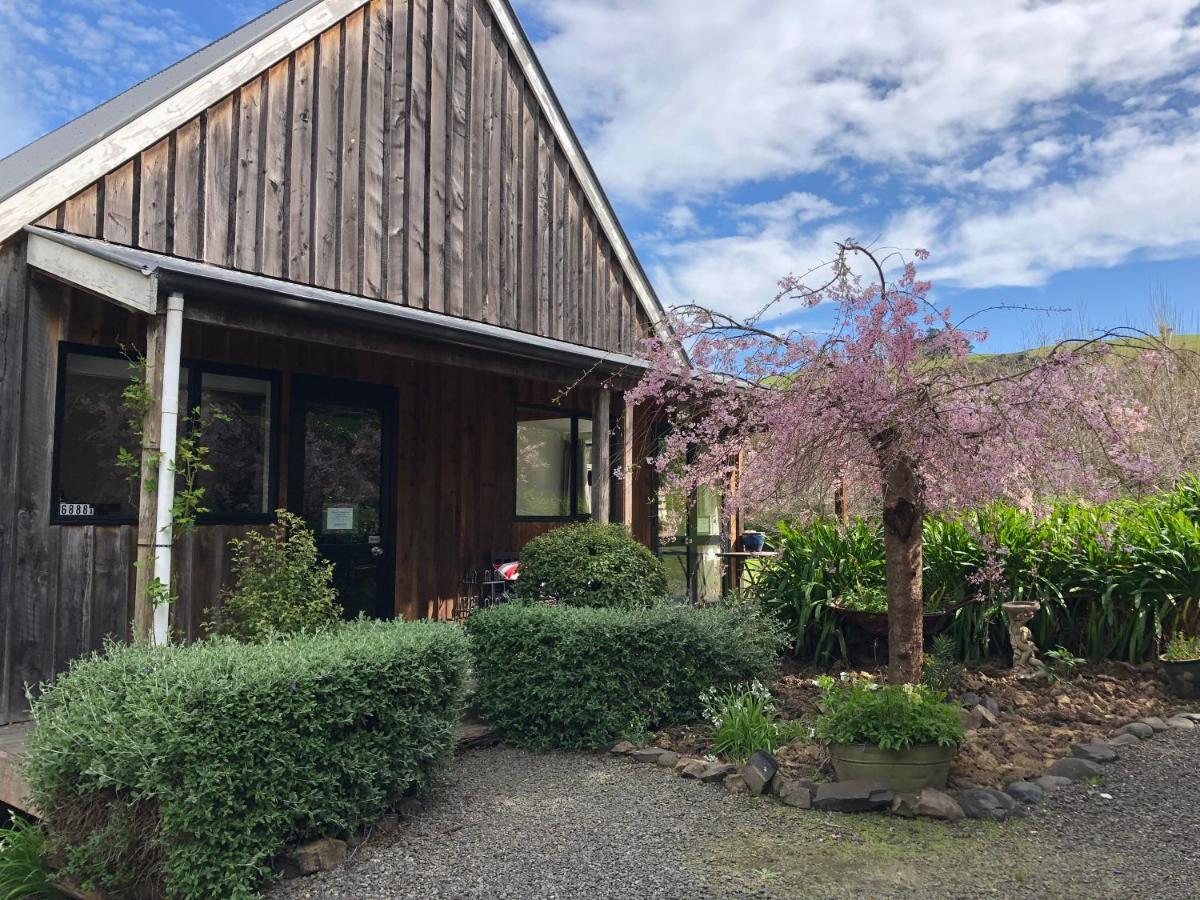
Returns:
point(1025, 661)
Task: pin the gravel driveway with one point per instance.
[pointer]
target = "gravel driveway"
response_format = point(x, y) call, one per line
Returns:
point(514, 824)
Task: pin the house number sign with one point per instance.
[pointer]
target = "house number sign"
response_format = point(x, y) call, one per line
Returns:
point(76, 509)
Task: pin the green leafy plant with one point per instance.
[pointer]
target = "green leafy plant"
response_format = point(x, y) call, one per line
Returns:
point(744, 719)
point(890, 716)
point(216, 756)
point(943, 672)
point(1112, 578)
point(23, 872)
point(1060, 663)
point(282, 584)
point(591, 564)
point(1182, 648)
point(580, 678)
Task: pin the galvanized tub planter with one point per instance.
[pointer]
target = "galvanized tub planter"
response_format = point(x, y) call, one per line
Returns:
point(906, 771)
point(1183, 676)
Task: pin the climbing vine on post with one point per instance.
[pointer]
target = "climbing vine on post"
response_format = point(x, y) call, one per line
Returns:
point(189, 463)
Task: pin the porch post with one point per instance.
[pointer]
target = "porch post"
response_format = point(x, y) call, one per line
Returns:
point(627, 464)
point(168, 431)
point(143, 612)
point(157, 495)
point(601, 464)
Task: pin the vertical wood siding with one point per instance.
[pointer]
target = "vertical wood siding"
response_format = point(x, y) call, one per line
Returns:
point(399, 156)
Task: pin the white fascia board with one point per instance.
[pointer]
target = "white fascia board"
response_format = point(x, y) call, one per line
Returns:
point(96, 161)
point(130, 288)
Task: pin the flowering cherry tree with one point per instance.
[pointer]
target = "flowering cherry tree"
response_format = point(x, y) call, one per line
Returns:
point(891, 393)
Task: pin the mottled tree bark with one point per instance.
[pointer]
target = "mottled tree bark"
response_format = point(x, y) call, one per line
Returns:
point(902, 523)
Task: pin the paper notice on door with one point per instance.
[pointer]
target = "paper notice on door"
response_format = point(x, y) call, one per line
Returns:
point(339, 518)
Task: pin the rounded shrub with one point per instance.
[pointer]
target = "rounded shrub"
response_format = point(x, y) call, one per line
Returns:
point(589, 564)
point(558, 677)
point(215, 757)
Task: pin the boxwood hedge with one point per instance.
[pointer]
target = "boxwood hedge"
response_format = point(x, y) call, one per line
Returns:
point(183, 770)
point(578, 678)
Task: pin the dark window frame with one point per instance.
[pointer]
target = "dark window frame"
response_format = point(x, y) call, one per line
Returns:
point(560, 413)
point(196, 370)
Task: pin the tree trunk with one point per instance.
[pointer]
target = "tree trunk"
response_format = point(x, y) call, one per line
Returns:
point(902, 523)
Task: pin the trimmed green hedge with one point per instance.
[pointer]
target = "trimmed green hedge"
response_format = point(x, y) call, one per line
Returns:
point(182, 770)
point(570, 678)
point(590, 564)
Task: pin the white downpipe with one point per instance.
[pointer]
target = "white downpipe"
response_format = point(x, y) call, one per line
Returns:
point(168, 425)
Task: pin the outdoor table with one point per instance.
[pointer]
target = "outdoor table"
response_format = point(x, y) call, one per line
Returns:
point(736, 561)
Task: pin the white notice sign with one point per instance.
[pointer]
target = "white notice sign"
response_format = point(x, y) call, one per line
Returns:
point(339, 518)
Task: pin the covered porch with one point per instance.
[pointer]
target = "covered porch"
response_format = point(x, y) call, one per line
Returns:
point(417, 446)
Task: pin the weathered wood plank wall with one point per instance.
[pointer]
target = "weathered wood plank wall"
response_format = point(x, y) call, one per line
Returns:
point(399, 156)
point(66, 588)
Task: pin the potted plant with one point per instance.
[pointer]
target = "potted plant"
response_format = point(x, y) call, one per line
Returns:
point(753, 541)
point(903, 734)
point(1181, 663)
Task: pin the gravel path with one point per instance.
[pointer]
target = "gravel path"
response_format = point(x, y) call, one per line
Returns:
point(513, 824)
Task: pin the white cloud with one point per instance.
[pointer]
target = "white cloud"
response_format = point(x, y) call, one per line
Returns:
point(1015, 141)
point(686, 97)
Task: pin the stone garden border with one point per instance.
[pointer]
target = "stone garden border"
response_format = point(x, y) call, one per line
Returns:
point(760, 776)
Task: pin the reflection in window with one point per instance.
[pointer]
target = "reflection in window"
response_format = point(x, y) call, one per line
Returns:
point(237, 416)
point(553, 464)
point(93, 427)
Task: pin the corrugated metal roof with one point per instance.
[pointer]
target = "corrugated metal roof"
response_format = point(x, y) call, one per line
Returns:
point(22, 168)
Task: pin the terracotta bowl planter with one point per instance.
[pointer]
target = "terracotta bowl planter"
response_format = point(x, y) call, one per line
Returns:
point(905, 771)
point(1183, 676)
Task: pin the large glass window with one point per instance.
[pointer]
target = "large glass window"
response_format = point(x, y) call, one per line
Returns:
point(93, 426)
point(237, 410)
point(553, 464)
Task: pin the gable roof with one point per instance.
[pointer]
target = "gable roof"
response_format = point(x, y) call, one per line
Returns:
point(22, 167)
point(53, 168)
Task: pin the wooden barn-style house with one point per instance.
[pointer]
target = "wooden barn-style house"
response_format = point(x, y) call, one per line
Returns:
point(361, 238)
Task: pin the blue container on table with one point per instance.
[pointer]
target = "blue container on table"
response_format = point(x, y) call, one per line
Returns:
point(753, 541)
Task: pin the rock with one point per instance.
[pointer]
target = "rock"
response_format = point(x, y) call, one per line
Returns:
point(1155, 722)
point(793, 793)
point(987, 714)
point(718, 772)
point(780, 784)
point(1124, 740)
point(990, 704)
point(853, 796)
point(1147, 668)
point(315, 856)
point(1137, 729)
point(972, 719)
point(667, 759)
point(1075, 768)
point(1097, 753)
point(930, 803)
point(1025, 792)
point(647, 754)
point(970, 700)
point(758, 771)
point(1051, 783)
point(1195, 717)
point(735, 784)
point(694, 769)
point(985, 803)
point(622, 748)
point(1182, 722)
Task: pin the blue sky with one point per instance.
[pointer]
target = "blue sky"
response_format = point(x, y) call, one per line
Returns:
point(1047, 154)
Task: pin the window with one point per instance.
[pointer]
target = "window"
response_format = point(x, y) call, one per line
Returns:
point(93, 425)
point(554, 453)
